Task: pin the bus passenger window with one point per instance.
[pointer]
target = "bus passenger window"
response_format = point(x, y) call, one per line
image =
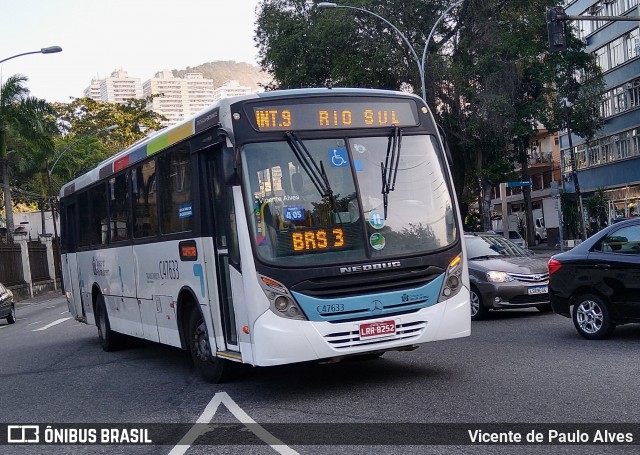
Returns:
point(84, 220)
point(98, 222)
point(175, 191)
point(119, 208)
point(145, 201)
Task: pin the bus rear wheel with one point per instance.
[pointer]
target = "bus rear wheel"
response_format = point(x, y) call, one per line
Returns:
point(212, 369)
point(109, 340)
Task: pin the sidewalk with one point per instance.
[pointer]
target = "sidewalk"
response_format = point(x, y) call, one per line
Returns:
point(545, 251)
point(46, 297)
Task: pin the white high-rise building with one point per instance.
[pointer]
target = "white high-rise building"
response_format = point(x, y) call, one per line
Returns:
point(116, 88)
point(93, 90)
point(177, 98)
point(200, 92)
point(230, 88)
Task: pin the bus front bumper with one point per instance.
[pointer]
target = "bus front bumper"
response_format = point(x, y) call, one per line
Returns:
point(278, 341)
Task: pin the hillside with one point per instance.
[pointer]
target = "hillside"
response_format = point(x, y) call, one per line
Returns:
point(223, 71)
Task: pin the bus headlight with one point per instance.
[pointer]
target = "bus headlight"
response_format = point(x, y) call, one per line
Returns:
point(452, 280)
point(281, 302)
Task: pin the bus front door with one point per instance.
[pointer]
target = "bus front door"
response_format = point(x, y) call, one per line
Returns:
point(229, 278)
point(69, 263)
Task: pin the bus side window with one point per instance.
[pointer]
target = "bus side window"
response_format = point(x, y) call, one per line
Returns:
point(119, 208)
point(98, 227)
point(175, 191)
point(84, 217)
point(144, 200)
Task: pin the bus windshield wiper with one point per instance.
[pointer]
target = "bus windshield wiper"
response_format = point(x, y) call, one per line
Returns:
point(389, 169)
point(316, 173)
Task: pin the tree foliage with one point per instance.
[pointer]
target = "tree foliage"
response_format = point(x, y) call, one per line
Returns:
point(305, 47)
point(85, 117)
point(25, 125)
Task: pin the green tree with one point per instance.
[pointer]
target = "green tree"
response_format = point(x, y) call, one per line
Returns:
point(84, 117)
point(301, 46)
point(28, 121)
point(505, 83)
point(597, 210)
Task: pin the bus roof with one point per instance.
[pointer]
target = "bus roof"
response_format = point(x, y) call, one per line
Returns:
point(164, 138)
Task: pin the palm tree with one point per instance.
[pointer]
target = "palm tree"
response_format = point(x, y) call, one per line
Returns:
point(24, 117)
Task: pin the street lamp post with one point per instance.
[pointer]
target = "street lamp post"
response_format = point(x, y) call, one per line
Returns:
point(44, 50)
point(420, 62)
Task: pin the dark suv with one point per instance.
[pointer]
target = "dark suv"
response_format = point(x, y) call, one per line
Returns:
point(597, 283)
point(7, 305)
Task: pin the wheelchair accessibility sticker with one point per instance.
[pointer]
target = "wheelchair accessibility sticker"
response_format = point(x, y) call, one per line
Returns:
point(339, 157)
point(376, 219)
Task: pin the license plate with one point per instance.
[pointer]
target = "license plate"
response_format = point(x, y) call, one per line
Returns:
point(538, 290)
point(377, 329)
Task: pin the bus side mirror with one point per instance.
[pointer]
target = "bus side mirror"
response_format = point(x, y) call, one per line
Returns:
point(231, 166)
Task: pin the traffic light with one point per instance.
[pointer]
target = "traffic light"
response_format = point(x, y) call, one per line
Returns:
point(556, 28)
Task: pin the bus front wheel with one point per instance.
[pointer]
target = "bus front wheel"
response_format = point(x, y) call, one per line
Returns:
point(212, 369)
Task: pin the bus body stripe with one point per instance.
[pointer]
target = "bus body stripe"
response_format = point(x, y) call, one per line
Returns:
point(121, 163)
point(157, 144)
point(180, 133)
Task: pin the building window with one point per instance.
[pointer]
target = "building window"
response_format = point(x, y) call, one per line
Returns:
point(593, 154)
point(580, 156)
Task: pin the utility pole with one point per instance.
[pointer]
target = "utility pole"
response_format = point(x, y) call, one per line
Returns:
point(574, 172)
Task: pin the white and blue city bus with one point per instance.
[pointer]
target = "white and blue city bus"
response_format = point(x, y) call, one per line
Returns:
point(273, 228)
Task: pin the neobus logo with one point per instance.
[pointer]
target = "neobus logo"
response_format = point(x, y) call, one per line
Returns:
point(370, 267)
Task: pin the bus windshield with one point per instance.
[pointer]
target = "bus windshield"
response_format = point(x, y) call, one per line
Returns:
point(324, 201)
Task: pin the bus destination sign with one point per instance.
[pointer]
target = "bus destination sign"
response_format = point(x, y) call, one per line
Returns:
point(338, 115)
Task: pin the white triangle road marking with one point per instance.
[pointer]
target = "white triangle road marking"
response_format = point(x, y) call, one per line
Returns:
point(243, 417)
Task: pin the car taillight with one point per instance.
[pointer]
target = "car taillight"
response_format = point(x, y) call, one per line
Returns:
point(554, 266)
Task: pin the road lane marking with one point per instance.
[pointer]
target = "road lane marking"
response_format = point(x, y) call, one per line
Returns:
point(48, 326)
point(3, 326)
point(34, 322)
point(65, 312)
point(208, 413)
point(52, 306)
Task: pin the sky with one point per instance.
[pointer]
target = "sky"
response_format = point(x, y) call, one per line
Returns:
point(100, 36)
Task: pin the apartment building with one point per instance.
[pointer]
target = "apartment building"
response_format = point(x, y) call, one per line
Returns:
point(117, 88)
point(229, 89)
point(178, 98)
point(93, 90)
point(173, 97)
point(611, 160)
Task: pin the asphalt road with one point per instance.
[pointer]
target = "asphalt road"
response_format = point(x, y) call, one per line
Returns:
point(520, 367)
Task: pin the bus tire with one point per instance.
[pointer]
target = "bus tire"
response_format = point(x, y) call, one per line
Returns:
point(109, 340)
point(212, 369)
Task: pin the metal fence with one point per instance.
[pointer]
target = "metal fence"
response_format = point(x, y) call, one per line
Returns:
point(11, 265)
point(38, 262)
